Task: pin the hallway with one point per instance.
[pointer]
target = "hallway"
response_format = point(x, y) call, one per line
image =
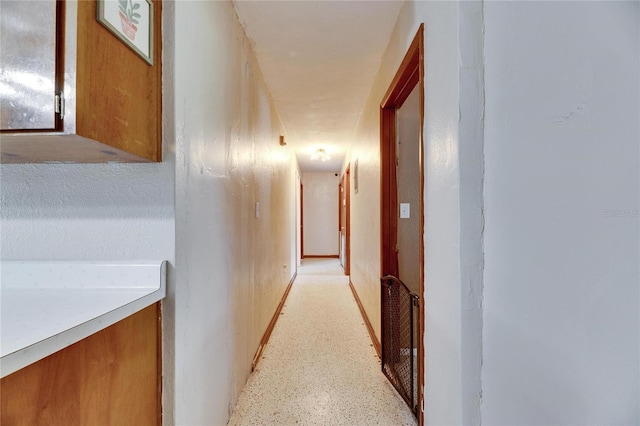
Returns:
point(319, 367)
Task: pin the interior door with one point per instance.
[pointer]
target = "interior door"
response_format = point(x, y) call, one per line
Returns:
point(408, 187)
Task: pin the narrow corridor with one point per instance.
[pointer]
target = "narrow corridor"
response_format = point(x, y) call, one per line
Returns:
point(319, 367)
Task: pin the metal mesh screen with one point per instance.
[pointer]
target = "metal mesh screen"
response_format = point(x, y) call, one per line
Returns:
point(399, 338)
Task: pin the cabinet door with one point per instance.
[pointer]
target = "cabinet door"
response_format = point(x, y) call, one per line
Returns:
point(27, 65)
point(111, 378)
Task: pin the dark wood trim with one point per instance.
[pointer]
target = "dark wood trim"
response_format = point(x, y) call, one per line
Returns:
point(367, 323)
point(409, 74)
point(340, 204)
point(388, 194)
point(421, 307)
point(301, 220)
point(321, 256)
point(347, 248)
point(340, 224)
point(272, 324)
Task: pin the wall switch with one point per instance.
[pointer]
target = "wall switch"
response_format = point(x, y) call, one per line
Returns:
point(405, 210)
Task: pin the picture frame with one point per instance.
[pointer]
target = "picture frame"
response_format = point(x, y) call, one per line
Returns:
point(131, 21)
point(355, 176)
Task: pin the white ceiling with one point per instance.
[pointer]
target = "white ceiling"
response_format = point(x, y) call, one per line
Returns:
point(319, 59)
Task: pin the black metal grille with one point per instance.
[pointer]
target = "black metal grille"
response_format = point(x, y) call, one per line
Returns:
point(399, 337)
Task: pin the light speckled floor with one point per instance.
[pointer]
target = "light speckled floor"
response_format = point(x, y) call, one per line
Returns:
point(319, 367)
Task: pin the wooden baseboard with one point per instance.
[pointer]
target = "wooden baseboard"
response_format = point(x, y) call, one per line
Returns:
point(272, 324)
point(321, 256)
point(372, 334)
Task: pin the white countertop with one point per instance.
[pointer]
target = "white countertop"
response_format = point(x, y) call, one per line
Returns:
point(46, 306)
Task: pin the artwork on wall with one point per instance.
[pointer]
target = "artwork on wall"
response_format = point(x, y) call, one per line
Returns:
point(355, 176)
point(131, 21)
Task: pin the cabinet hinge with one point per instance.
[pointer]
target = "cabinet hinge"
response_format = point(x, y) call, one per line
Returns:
point(60, 104)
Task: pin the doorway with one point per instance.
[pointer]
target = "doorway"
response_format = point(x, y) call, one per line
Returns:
point(344, 192)
point(301, 221)
point(402, 221)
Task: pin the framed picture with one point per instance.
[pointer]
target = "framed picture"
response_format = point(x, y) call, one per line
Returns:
point(355, 176)
point(131, 21)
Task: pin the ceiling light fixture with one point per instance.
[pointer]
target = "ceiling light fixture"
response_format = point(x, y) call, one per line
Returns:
point(321, 155)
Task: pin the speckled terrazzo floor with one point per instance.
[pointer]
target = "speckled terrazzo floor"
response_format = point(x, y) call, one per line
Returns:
point(319, 367)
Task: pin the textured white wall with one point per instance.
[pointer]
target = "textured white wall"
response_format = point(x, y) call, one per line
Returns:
point(320, 199)
point(96, 211)
point(87, 211)
point(196, 209)
point(471, 171)
point(231, 267)
point(562, 195)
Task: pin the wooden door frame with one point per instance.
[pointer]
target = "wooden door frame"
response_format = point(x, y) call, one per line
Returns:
point(409, 75)
point(340, 191)
point(345, 182)
point(301, 221)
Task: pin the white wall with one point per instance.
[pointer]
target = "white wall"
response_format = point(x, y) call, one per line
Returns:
point(87, 211)
point(561, 311)
point(232, 267)
point(228, 269)
point(320, 210)
point(471, 205)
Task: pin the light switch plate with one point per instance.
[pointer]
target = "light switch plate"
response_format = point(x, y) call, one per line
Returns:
point(405, 210)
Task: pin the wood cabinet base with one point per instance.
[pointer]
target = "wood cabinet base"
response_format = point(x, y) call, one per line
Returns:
point(110, 378)
point(26, 148)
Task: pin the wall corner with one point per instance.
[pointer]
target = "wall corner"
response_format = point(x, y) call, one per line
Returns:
point(471, 157)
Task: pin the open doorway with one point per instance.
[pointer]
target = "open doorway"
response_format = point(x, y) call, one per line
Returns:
point(301, 221)
point(344, 220)
point(320, 200)
point(402, 228)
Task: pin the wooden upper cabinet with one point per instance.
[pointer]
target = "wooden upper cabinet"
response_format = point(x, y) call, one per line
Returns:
point(66, 60)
